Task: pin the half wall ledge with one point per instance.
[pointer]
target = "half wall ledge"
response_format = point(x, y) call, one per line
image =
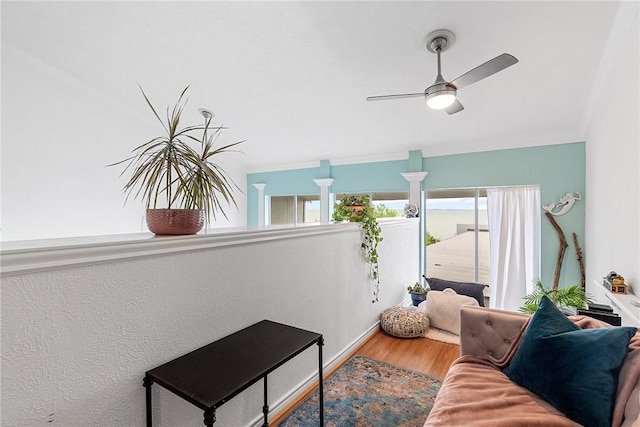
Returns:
point(30, 256)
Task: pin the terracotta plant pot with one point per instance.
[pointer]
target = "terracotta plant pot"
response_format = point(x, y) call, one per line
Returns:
point(356, 211)
point(175, 221)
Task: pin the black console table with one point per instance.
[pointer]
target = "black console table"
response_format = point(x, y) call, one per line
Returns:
point(212, 375)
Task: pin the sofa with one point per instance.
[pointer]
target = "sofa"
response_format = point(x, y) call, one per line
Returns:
point(477, 390)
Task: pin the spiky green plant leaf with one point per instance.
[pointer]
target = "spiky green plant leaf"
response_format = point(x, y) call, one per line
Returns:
point(570, 297)
point(168, 169)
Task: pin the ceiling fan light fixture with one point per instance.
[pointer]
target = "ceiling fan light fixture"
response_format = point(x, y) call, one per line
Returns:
point(441, 99)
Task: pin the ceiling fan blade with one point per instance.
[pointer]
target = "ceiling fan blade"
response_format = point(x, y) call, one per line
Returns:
point(454, 108)
point(490, 67)
point(398, 96)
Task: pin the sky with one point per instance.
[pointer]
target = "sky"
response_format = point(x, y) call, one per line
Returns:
point(457, 203)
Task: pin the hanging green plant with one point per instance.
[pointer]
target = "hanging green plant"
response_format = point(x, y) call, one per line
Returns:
point(569, 297)
point(357, 208)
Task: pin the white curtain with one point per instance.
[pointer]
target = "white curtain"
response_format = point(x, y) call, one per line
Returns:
point(514, 236)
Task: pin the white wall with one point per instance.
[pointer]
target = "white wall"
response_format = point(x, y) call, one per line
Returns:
point(613, 161)
point(58, 135)
point(76, 342)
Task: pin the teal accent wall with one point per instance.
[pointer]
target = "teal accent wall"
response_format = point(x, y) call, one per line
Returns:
point(280, 183)
point(363, 177)
point(415, 161)
point(325, 168)
point(557, 169)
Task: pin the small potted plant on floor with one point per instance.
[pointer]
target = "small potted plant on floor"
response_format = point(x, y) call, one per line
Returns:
point(418, 293)
point(178, 169)
point(357, 208)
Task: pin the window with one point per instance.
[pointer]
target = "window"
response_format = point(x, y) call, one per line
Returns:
point(298, 209)
point(386, 204)
point(457, 236)
point(389, 204)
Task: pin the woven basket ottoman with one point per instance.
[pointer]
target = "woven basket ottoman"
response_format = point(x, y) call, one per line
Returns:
point(404, 322)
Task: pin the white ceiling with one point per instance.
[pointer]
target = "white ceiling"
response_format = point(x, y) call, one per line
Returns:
point(291, 78)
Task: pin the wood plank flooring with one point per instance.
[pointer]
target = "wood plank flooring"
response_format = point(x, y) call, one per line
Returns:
point(417, 354)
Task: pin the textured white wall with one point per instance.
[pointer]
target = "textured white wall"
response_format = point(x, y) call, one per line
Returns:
point(77, 342)
point(612, 220)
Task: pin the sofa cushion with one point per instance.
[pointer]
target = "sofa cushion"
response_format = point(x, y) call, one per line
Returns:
point(404, 322)
point(476, 393)
point(576, 370)
point(474, 290)
point(632, 409)
point(443, 309)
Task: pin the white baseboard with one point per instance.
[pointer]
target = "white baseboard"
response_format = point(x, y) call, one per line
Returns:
point(406, 302)
point(337, 360)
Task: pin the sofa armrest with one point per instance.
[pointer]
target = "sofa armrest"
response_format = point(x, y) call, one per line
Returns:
point(488, 331)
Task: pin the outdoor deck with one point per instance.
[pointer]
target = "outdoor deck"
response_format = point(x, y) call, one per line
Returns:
point(454, 258)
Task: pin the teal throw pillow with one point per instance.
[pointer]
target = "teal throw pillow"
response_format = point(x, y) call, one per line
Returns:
point(574, 369)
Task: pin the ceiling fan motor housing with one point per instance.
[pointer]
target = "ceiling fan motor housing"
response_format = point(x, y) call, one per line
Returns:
point(440, 87)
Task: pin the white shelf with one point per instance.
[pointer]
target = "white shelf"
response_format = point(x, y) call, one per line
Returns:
point(627, 306)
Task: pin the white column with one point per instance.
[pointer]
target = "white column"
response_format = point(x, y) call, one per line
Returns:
point(324, 184)
point(260, 187)
point(416, 197)
point(414, 178)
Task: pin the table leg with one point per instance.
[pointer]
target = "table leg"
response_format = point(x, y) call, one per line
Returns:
point(147, 385)
point(265, 408)
point(320, 381)
point(209, 417)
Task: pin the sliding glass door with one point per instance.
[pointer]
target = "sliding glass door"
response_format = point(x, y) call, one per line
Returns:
point(457, 235)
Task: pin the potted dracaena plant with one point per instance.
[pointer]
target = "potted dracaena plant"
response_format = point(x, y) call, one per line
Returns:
point(357, 208)
point(179, 168)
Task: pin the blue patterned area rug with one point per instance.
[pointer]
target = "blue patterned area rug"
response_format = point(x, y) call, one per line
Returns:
point(367, 392)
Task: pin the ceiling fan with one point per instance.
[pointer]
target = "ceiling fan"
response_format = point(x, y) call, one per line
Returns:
point(441, 95)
